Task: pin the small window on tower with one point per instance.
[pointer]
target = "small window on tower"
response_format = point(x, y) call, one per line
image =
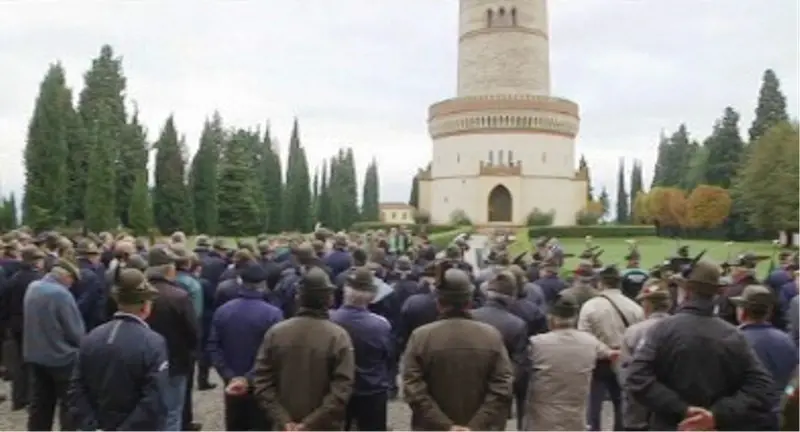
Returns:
point(501, 13)
point(500, 157)
point(491, 157)
point(513, 16)
point(510, 157)
point(458, 157)
point(544, 157)
point(489, 16)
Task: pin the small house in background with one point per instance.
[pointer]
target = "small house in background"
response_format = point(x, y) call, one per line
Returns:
point(397, 213)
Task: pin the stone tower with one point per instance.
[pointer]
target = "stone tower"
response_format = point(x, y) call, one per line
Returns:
point(503, 147)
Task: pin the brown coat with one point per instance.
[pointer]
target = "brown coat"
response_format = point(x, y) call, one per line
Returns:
point(457, 373)
point(304, 372)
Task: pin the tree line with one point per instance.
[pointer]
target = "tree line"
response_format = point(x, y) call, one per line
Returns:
point(86, 167)
point(724, 186)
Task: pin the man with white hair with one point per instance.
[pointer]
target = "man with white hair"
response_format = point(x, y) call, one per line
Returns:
point(372, 339)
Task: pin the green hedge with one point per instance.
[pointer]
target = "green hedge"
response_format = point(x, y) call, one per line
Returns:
point(596, 231)
point(414, 228)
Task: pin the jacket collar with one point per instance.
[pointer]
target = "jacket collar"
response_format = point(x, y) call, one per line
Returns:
point(698, 307)
point(130, 317)
point(312, 313)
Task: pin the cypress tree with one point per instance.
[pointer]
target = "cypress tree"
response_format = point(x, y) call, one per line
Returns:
point(297, 193)
point(636, 183)
point(335, 191)
point(188, 208)
point(623, 215)
point(604, 201)
point(133, 154)
point(258, 156)
point(350, 207)
point(724, 150)
point(660, 169)
point(203, 176)
point(46, 152)
point(771, 108)
point(370, 201)
point(324, 200)
point(140, 213)
point(99, 207)
point(315, 195)
point(413, 199)
point(104, 89)
point(273, 175)
point(171, 207)
point(583, 165)
point(238, 210)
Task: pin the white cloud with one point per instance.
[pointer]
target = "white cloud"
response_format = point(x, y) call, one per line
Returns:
point(363, 72)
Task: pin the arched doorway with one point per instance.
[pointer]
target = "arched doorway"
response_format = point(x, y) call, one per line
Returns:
point(500, 204)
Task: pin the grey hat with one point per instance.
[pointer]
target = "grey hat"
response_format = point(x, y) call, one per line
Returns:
point(455, 285)
point(361, 279)
point(315, 280)
point(565, 307)
point(160, 255)
point(754, 295)
point(503, 282)
point(202, 241)
point(131, 287)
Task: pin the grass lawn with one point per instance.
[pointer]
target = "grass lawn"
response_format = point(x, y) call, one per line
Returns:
point(652, 249)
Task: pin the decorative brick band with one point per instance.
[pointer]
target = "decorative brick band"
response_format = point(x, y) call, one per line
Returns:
point(483, 31)
point(504, 123)
point(505, 102)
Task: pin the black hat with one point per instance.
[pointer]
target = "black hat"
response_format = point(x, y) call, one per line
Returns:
point(565, 307)
point(253, 273)
point(453, 284)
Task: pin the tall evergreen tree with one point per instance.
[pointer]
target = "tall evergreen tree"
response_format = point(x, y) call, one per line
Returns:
point(315, 195)
point(104, 89)
point(99, 208)
point(133, 155)
point(660, 170)
point(604, 200)
point(370, 201)
point(238, 210)
point(724, 150)
point(171, 205)
point(771, 108)
point(296, 203)
point(203, 176)
point(323, 209)
point(583, 165)
point(636, 183)
point(413, 199)
point(273, 190)
point(140, 213)
point(623, 213)
point(46, 152)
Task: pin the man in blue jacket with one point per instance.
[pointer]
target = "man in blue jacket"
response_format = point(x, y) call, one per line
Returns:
point(774, 348)
point(371, 335)
point(237, 330)
point(121, 372)
point(339, 259)
point(90, 291)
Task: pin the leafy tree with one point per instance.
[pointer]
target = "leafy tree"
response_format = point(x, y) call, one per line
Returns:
point(767, 185)
point(46, 151)
point(140, 213)
point(724, 150)
point(171, 205)
point(707, 207)
point(771, 108)
point(623, 213)
point(203, 184)
point(583, 165)
point(238, 210)
point(667, 208)
point(99, 208)
point(370, 203)
point(591, 214)
point(641, 209)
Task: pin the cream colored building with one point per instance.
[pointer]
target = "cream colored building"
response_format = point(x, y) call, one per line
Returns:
point(504, 146)
point(396, 213)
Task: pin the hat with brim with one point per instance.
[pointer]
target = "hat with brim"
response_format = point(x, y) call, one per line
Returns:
point(131, 288)
point(754, 295)
point(161, 256)
point(70, 267)
point(564, 307)
point(361, 279)
point(653, 293)
point(87, 248)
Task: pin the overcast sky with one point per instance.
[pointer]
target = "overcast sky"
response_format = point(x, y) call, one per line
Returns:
point(363, 72)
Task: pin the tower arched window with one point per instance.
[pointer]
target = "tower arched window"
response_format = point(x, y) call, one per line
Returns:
point(500, 159)
point(501, 12)
point(513, 16)
point(489, 17)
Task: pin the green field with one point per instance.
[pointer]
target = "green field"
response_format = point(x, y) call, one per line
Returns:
point(652, 249)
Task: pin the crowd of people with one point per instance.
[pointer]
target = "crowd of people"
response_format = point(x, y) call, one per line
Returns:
point(320, 332)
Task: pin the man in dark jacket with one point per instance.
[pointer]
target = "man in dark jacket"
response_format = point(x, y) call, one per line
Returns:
point(372, 340)
point(237, 329)
point(502, 293)
point(121, 375)
point(90, 291)
point(30, 269)
point(173, 317)
point(696, 372)
point(339, 259)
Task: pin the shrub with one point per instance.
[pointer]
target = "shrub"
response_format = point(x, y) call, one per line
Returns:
point(539, 218)
point(586, 218)
point(459, 218)
point(422, 218)
point(596, 231)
